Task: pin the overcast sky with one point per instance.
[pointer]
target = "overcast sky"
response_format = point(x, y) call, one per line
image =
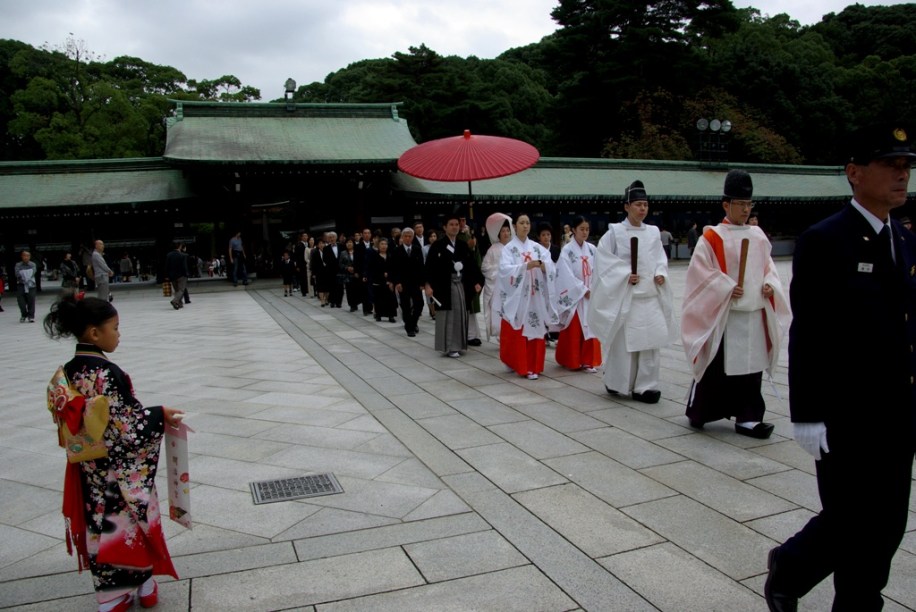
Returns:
point(265, 42)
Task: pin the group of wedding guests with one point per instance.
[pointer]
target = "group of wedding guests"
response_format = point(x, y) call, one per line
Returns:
point(613, 307)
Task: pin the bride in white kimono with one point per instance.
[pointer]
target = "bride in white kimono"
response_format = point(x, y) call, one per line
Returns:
point(526, 284)
point(499, 229)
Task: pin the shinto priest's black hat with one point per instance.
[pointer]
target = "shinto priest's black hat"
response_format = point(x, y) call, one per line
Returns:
point(738, 185)
point(636, 192)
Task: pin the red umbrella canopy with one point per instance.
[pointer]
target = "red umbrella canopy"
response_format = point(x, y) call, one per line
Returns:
point(467, 158)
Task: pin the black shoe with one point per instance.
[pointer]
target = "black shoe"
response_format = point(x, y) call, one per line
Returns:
point(776, 602)
point(474, 342)
point(175, 306)
point(110, 298)
point(647, 397)
point(695, 424)
point(392, 320)
point(611, 391)
point(411, 334)
point(353, 310)
point(378, 318)
point(187, 301)
point(416, 330)
point(761, 431)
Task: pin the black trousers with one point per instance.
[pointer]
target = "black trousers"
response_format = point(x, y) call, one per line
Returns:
point(864, 491)
point(411, 307)
point(718, 396)
point(304, 281)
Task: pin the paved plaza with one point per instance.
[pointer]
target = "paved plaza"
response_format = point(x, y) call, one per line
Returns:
point(466, 487)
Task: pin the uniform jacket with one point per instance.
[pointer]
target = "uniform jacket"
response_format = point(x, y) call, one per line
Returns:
point(852, 339)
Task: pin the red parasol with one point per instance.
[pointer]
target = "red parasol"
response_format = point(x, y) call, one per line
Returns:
point(468, 158)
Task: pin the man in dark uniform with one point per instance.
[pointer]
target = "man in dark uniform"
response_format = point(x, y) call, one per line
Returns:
point(361, 252)
point(853, 294)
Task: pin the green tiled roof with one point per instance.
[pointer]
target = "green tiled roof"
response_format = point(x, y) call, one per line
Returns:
point(223, 133)
point(567, 178)
point(66, 183)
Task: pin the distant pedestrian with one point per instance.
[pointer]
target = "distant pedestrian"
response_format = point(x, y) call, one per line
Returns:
point(127, 268)
point(69, 272)
point(301, 263)
point(237, 271)
point(692, 237)
point(287, 272)
point(26, 272)
point(666, 239)
point(176, 270)
point(101, 273)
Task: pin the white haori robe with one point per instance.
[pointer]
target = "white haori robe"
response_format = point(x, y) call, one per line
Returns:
point(575, 270)
point(491, 303)
point(752, 326)
point(632, 318)
point(525, 295)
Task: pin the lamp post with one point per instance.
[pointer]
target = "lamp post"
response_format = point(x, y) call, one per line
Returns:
point(713, 136)
point(290, 86)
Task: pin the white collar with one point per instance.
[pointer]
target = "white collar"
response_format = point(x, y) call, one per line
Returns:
point(876, 223)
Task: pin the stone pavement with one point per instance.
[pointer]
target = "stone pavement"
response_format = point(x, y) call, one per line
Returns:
point(465, 487)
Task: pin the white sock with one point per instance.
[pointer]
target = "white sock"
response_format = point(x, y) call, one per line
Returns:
point(147, 587)
point(749, 424)
point(110, 605)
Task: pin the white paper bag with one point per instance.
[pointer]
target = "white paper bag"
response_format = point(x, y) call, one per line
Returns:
point(176, 456)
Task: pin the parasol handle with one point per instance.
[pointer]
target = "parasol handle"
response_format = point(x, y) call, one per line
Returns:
point(634, 253)
point(742, 264)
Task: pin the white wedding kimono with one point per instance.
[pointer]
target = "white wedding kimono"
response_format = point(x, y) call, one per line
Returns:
point(633, 321)
point(491, 305)
point(525, 295)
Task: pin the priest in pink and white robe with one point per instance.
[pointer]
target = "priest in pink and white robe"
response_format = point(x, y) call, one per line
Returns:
point(732, 333)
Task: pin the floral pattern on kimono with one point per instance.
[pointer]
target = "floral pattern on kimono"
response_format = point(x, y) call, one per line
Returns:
point(575, 270)
point(125, 539)
point(526, 294)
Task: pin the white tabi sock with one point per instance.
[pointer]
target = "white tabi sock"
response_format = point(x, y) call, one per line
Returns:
point(147, 587)
point(749, 424)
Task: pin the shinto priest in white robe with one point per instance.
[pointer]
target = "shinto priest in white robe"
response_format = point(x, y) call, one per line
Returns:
point(633, 321)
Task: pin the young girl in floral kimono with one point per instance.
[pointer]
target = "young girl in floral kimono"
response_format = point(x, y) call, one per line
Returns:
point(110, 503)
point(578, 347)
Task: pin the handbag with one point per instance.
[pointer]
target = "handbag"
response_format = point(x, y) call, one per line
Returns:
point(166, 289)
point(81, 422)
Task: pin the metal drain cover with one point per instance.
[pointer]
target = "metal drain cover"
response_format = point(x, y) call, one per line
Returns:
point(285, 489)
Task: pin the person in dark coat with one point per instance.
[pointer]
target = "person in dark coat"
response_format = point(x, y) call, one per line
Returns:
point(301, 262)
point(361, 252)
point(176, 270)
point(408, 275)
point(328, 280)
point(853, 297)
point(317, 267)
point(378, 273)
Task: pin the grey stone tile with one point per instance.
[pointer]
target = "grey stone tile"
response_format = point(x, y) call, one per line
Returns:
point(395, 534)
point(689, 584)
point(341, 462)
point(363, 422)
point(577, 399)
point(301, 416)
point(789, 453)
point(728, 546)
point(384, 444)
point(537, 440)
point(509, 468)
point(901, 587)
point(457, 431)
point(422, 405)
point(222, 508)
point(719, 491)
point(412, 472)
point(448, 390)
point(204, 538)
point(227, 425)
point(512, 394)
point(393, 385)
point(308, 435)
point(638, 423)
point(375, 497)
point(586, 521)
point(520, 589)
point(39, 469)
point(463, 555)
point(234, 447)
point(232, 474)
point(737, 463)
point(333, 520)
point(781, 527)
point(793, 485)
point(558, 417)
point(609, 480)
point(19, 544)
point(45, 588)
point(441, 504)
point(230, 560)
point(487, 411)
point(21, 502)
point(626, 448)
point(307, 583)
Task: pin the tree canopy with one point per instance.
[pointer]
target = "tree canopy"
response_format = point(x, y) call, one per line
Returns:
point(618, 78)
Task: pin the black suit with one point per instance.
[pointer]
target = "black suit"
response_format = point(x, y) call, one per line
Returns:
point(408, 271)
point(300, 259)
point(361, 252)
point(329, 275)
point(854, 319)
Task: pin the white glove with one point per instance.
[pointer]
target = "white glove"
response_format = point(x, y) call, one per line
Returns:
point(812, 437)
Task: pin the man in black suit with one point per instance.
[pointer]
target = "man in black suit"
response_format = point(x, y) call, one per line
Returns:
point(853, 294)
point(329, 260)
point(361, 252)
point(301, 260)
point(408, 276)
